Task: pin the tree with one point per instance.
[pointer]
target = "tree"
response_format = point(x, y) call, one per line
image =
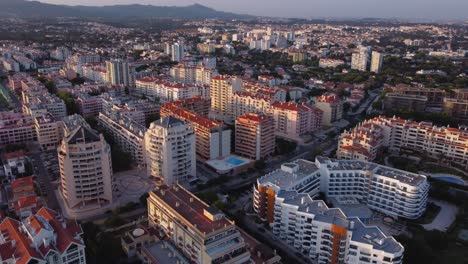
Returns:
point(72, 107)
point(143, 199)
point(260, 165)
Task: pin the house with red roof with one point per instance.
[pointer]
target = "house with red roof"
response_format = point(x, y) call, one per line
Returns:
point(44, 238)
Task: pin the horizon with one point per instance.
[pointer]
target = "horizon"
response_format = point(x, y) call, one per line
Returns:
point(398, 9)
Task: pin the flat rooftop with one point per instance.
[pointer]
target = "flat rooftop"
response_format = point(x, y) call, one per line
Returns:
point(190, 208)
point(283, 179)
point(164, 252)
point(392, 173)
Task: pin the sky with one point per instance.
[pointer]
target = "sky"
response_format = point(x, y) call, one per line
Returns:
point(409, 9)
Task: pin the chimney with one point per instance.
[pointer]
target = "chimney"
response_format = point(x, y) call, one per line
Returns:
point(177, 204)
point(191, 199)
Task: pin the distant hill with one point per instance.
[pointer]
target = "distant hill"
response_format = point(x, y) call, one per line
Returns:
point(34, 9)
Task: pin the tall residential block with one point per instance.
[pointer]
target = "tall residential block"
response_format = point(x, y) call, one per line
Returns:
point(222, 89)
point(119, 72)
point(86, 177)
point(376, 62)
point(177, 52)
point(255, 136)
point(170, 150)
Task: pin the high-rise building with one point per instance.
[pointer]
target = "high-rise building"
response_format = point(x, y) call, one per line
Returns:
point(255, 136)
point(119, 72)
point(170, 150)
point(87, 183)
point(203, 233)
point(327, 235)
point(376, 62)
point(360, 60)
point(222, 89)
point(213, 139)
point(177, 52)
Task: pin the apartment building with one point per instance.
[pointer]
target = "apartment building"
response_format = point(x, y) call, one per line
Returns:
point(327, 235)
point(206, 47)
point(300, 175)
point(47, 131)
point(203, 234)
point(165, 91)
point(400, 134)
point(360, 60)
point(395, 101)
point(170, 150)
point(332, 108)
point(119, 72)
point(246, 102)
point(89, 106)
point(294, 120)
point(435, 96)
point(87, 183)
point(44, 238)
point(213, 139)
point(193, 74)
point(222, 89)
point(177, 52)
point(330, 63)
point(39, 102)
point(255, 136)
point(384, 189)
point(16, 128)
point(376, 62)
point(127, 134)
point(457, 105)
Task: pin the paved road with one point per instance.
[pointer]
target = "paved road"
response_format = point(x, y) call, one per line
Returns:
point(448, 213)
point(44, 180)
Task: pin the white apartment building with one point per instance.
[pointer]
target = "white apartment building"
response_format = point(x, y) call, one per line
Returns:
point(169, 91)
point(243, 103)
point(193, 74)
point(222, 89)
point(332, 108)
point(300, 175)
point(119, 72)
point(177, 52)
point(294, 120)
point(327, 235)
point(376, 62)
point(48, 131)
point(170, 150)
point(201, 232)
point(87, 183)
point(127, 134)
point(399, 134)
point(360, 60)
point(43, 238)
point(387, 190)
point(16, 128)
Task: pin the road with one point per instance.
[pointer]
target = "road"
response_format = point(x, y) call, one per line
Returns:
point(43, 178)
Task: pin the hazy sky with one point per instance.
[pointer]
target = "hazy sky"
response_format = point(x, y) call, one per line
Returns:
point(416, 9)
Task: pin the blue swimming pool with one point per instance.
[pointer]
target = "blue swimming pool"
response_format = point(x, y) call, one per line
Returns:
point(450, 179)
point(234, 161)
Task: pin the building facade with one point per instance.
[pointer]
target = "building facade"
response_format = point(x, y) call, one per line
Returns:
point(170, 150)
point(255, 136)
point(202, 232)
point(87, 182)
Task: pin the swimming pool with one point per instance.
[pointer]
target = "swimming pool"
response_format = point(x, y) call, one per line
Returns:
point(234, 161)
point(450, 179)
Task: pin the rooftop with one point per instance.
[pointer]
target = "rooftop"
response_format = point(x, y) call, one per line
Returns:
point(190, 208)
point(289, 174)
